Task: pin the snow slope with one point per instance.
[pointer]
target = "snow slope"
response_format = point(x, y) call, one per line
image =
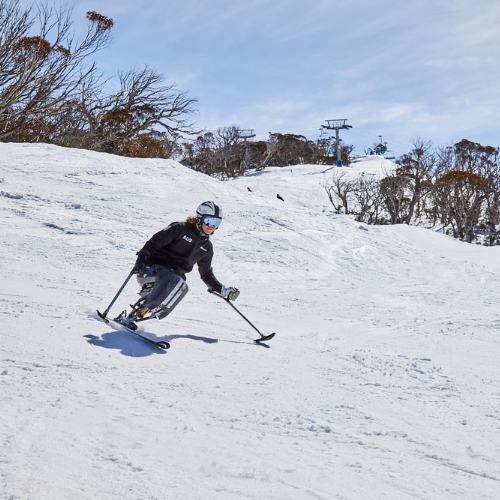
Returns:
point(382, 382)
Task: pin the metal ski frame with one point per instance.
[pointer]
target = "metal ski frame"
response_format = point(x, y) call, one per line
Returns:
point(135, 307)
point(162, 344)
point(105, 313)
point(263, 338)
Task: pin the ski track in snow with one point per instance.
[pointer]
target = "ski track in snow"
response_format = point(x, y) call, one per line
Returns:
point(382, 380)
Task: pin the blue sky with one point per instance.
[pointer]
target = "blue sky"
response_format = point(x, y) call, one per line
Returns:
point(417, 69)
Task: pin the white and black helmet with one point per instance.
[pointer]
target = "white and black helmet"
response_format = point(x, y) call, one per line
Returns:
point(210, 214)
point(209, 208)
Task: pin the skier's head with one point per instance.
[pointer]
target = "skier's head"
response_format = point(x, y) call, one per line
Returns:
point(208, 217)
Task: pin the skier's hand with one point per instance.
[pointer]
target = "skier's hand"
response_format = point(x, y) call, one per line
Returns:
point(140, 262)
point(229, 292)
point(138, 267)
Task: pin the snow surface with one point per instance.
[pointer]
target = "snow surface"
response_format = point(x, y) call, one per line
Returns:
point(382, 382)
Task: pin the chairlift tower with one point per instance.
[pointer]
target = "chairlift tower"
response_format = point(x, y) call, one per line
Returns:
point(337, 125)
point(246, 134)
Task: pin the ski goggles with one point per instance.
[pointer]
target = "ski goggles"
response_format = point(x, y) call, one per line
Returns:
point(211, 221)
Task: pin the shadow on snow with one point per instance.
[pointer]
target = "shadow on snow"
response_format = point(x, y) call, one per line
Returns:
point(133, 346)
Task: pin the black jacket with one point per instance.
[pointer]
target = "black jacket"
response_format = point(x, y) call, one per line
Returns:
point(180, 246)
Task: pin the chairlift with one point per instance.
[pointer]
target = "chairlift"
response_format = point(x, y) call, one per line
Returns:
point(380, 149)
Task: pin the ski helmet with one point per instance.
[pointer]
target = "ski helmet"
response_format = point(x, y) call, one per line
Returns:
point(207, 208)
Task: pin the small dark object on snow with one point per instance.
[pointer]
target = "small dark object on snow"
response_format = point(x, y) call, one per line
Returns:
point(249, 189)
point(280, 198)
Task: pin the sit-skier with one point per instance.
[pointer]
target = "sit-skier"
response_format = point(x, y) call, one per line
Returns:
point(164, 261)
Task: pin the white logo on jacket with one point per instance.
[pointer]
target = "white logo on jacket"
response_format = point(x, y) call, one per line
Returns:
point(204, 249)
point(187, 238)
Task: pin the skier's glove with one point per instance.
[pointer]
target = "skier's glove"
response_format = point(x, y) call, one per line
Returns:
point(229, 292)
point(138, 267)
point(140, 262)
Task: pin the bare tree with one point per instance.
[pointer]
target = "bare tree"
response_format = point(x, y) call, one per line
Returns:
point(492, 219)
point(416, 170)
point(197, 154)
point(327, 151)
point(41, 63)
point(218, 153)
point(461, 197)
point(340, 191)
point(290, 149)
point(368, 200)
point(394, 191)
point(473, 157)
point(360, 197)
point(142, 105)
point(459, 186)
point(467, 190)
point(257, 151)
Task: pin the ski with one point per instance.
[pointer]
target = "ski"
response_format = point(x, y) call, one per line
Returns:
point(161, 344)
